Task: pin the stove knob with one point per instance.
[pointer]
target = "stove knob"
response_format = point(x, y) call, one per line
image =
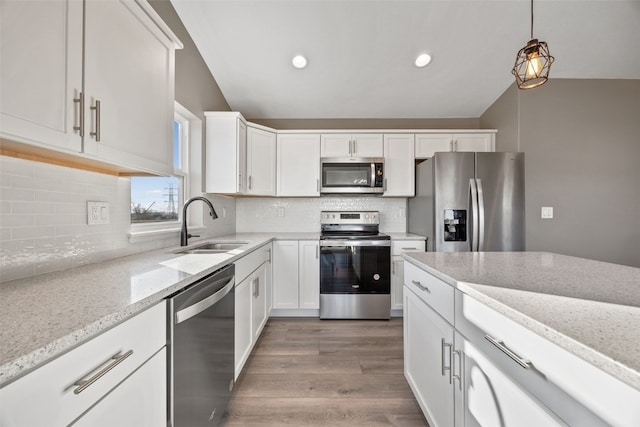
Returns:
point(366, 216)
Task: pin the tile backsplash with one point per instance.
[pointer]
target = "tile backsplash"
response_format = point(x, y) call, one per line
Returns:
point(303, 214)
point(43, 219)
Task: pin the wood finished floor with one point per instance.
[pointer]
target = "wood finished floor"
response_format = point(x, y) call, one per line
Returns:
point(311, 372)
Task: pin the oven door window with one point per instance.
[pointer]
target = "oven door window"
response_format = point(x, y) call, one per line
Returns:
point(346, 175)
point(355, 269)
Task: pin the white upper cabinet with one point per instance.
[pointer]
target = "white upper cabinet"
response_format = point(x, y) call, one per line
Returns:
point(226, 153)
point(129, 80)
point(120, 111)
point(429, 143)
point(261, 162)
point(41, 68)
point(298, 165)
point(399, 170)
point(352, 145)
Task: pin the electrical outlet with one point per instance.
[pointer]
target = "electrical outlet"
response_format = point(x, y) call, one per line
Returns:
point(97, 213)
point(281, 212)
point(547, 212)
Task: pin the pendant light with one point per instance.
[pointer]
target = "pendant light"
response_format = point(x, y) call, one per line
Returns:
point(533, 62)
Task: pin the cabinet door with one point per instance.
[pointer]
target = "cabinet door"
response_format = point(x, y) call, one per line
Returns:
point(428, 144)
point(335, 145)
point(261, 162)
point(309, 274)
point(129, 66)
point(367, 145)
point(473, 142)
point(139, 401)
point(427, 359)
point(243, 335)
point(298, 167)
point(41, 68)
point(397, 282)
point(488, 397)
point(285, 274)
point(399, 166)
point(259, 301)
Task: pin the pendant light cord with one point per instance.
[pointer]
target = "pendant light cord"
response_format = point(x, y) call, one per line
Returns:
point(532, 19)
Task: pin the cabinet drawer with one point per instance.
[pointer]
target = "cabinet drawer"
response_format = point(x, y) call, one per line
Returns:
point(438, 294)
point(577, 391)
point(250, 262)
point(48, 396)
point(400, 246)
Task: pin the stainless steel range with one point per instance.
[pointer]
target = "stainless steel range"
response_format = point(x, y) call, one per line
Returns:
point(355, 271)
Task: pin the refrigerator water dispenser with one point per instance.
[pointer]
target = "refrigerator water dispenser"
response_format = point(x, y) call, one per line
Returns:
point(455, 225)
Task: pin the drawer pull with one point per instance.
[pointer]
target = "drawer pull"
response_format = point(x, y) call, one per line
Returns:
point(409, 249)
point(116, 359)
point(420, 285)
point(525, 363)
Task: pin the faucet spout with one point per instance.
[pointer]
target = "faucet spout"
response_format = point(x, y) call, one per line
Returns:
point(184, 234)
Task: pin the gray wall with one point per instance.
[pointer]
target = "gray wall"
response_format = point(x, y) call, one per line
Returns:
point(582, 144)
point(196, 89)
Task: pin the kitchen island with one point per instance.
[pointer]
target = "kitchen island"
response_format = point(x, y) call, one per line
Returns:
point(584, 310)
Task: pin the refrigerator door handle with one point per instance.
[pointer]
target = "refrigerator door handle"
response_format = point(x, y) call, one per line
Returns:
point(473, 207)
point(480, 223)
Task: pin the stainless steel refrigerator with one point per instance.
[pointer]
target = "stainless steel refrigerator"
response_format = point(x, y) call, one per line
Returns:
point(470, 202)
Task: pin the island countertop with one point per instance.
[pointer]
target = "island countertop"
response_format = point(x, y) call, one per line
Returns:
point(589, 308)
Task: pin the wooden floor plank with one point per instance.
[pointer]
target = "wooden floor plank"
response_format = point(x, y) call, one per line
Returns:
point(311, 372)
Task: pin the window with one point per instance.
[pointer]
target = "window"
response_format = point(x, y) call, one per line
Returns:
point(158, 200)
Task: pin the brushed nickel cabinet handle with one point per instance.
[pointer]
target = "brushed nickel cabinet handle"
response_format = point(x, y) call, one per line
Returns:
point(459, 375)
point(451, 145)
point(80, 127)
point(525, 363)
point(420, 285)
point(116, 360)
point(250, 182)
point(443, 346)
point(96, 134)
point(269, 258)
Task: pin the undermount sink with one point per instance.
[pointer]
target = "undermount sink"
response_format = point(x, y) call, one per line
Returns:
point(212, 248)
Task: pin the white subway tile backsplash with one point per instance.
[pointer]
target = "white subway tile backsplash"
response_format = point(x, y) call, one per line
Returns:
point(43, 218)
point(303, 214)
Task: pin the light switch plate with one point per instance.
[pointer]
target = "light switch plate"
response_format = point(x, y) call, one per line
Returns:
point(547, 212)
point(97, 213)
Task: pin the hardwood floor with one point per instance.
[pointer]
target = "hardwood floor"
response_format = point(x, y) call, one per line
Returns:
point(311, 372)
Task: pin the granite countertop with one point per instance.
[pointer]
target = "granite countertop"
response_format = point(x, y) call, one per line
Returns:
point(44, 316)
point(405, 236)
point(589, 308)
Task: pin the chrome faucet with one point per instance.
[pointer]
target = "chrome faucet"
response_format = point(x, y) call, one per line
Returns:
point(184, 235)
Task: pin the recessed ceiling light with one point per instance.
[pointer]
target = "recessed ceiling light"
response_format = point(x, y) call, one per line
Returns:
point(423, 60)
point(299, 61)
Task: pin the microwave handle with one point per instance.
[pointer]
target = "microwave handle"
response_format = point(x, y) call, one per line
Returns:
point(373, 174)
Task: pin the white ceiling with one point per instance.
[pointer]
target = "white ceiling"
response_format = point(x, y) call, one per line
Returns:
point(361, 53)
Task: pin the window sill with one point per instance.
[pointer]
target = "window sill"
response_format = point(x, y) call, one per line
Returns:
point(147, 235)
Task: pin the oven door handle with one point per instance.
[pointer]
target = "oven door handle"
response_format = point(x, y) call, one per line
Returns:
point(347, 243)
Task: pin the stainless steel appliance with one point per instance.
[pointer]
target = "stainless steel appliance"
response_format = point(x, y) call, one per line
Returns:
point(201, 350)
point(470, 202)
point(352, 175)
point(355, 271)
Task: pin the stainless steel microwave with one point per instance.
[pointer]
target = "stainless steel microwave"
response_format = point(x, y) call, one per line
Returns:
point(352, 175)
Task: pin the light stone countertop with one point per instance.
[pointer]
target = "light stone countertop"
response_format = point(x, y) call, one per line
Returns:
point(589, 308)
point(405, 236)
point(42, 317)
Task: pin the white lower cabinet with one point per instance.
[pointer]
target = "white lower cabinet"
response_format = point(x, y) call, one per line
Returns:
point(427, 347)
point(252, 293)
point(486, 396)
point(62, 390)
point(398, 247)
point(296, 276)
point(140, 401)
point(469, 365)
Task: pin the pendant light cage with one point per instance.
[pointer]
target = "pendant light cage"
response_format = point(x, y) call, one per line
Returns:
point(532, 65)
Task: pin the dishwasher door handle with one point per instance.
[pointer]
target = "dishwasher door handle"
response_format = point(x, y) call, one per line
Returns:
point(200, 306)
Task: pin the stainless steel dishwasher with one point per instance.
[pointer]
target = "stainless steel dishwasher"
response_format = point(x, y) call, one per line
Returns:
point(201, 350)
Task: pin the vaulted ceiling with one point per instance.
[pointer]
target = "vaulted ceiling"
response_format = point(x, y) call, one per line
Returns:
point(361, 53)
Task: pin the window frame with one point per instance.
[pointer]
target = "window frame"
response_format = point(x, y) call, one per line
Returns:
point(190, 131)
